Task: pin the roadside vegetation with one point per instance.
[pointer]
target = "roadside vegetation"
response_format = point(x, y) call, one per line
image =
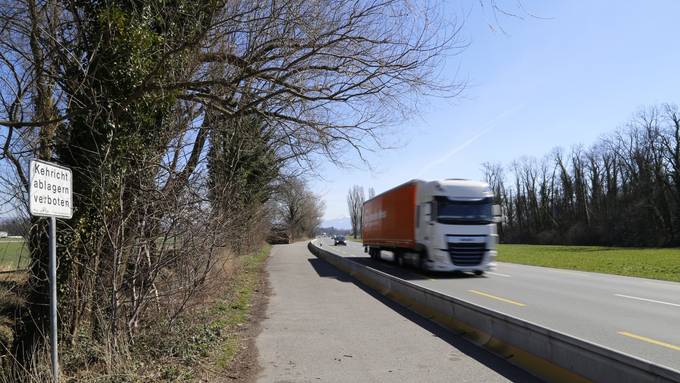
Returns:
point(655, 263)
point(201, 344)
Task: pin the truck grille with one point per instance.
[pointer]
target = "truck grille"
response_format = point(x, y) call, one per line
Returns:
point(467, 254)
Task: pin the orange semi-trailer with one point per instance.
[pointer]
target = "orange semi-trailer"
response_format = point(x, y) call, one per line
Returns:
point(447, 225)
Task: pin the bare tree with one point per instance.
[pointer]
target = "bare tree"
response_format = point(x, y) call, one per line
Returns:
point(355, 205)
point(298, 209)
point(494, 175)
point(371, 192)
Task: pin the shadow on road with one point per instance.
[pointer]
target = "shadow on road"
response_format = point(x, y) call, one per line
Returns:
point(326, 270)
point(499, 365)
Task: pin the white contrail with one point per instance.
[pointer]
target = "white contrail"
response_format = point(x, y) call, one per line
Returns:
point(485, 129)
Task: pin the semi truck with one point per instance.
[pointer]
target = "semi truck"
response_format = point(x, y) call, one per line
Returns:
point(447, 225)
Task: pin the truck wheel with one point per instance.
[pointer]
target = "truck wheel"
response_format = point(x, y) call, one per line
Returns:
point(398, 259)
point(422, 261)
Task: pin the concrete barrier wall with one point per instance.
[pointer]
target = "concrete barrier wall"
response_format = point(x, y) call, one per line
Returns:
point(551, 355)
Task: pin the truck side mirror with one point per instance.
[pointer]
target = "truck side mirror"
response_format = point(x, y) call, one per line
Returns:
point(496, 212)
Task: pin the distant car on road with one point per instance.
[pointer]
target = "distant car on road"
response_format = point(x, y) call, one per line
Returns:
point(339, 240)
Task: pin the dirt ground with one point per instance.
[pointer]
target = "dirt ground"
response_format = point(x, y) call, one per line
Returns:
point(245, 367)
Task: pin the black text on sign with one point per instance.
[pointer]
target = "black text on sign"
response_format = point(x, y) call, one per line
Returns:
point(50, 190)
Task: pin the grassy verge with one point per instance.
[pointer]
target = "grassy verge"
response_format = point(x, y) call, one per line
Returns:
point(233, 311)
point(350, 238)
point(13, 254)
point(210, 345)
point(638, 262)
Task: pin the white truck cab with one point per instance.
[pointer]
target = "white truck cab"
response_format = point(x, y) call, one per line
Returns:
point(456, 225)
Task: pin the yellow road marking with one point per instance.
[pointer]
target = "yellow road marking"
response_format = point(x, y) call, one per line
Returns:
point(649, 340)
point(497, 298)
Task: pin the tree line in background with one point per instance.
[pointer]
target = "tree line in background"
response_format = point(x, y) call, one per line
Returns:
point(188, 126)
point(13, 226)
point(623, 190)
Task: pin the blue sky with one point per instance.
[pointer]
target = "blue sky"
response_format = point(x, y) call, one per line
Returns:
point(564, 80)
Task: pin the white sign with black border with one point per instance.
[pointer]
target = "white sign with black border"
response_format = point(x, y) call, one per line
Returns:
point(50, 194)
point(51, 190)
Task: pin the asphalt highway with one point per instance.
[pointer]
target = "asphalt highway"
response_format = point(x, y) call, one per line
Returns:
point(636, 316)
point(322, 326)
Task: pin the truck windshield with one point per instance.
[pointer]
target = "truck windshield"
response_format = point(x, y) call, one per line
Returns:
point(464, 212)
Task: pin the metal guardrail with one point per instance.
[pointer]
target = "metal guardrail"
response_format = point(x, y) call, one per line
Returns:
point(546, 353)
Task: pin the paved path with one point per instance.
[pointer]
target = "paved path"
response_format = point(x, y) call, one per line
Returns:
point(637, 316)
point(322, 326)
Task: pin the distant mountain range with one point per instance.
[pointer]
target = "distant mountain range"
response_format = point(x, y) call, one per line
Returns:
point(339, 223)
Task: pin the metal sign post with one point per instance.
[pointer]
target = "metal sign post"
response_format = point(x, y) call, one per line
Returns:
point(51, 195)
point(53, 298)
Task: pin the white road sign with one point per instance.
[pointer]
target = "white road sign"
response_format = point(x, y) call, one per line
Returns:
point(51, 191)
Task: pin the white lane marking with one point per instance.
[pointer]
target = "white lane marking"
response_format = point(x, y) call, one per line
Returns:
point(599, 276)
point(498, 274)
point(648, 300)
point(575, 273)
point(677, 285)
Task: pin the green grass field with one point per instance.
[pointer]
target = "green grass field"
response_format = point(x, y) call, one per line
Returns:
point(13, 254)
point(653, 263)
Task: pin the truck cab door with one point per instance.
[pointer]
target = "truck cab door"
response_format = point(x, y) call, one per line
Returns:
point(426, 223)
